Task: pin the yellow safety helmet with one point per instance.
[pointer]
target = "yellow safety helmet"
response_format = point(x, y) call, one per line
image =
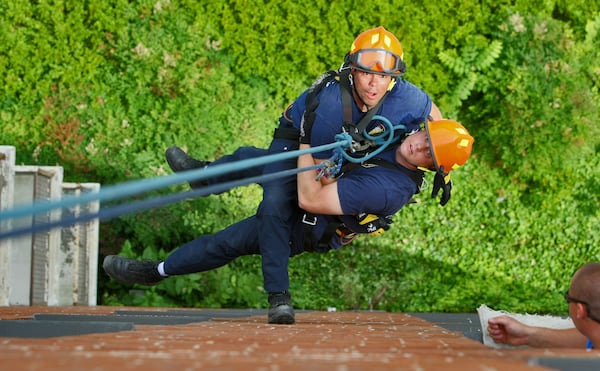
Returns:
point(450, 144)
point(377, 51)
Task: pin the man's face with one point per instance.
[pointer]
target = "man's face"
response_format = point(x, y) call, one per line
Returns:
point(370, 87)
point(415, 152)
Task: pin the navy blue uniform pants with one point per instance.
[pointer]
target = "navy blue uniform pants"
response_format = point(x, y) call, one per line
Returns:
point(216, 250)
point(274, 232)
point(275, 219)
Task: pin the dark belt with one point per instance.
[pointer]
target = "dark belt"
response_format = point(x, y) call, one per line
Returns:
point(308, 222)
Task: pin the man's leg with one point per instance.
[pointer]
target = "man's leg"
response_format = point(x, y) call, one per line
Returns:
point(202, 254)
point(180, 161)
point(274, 224)
point(274, 230)
point(216, 250)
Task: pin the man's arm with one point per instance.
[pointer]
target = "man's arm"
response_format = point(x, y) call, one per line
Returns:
point(435, 112)
point(314, 196)
point(507, 330)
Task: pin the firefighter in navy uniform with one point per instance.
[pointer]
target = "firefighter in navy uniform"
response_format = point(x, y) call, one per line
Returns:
point(368, 85)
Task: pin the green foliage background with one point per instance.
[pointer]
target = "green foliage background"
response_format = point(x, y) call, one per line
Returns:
point(103, 88)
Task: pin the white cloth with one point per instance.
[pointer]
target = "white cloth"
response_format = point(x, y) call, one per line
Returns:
point(486, 313)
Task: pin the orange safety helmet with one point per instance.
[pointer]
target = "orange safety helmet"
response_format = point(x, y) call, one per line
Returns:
point(377, 51)
point(450, 144)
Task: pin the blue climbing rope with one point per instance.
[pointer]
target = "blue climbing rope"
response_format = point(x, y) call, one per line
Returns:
point(332, 167)
point(135, 188)
point(381, 141)
point(154, 202)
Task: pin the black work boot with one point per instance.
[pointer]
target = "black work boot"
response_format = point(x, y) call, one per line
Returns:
point(131, 270)
point(281, 310)
point(179, 161)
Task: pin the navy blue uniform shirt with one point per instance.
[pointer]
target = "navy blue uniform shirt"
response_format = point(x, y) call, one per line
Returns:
point(373, 190)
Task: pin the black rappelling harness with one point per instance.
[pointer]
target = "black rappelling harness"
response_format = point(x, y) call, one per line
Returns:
point(363, 144)
point(361, 152)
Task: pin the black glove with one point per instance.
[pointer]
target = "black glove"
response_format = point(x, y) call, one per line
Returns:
point(445, 184)
point(308, 119)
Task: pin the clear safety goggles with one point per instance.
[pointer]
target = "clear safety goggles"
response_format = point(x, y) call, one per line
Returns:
point(377, 60)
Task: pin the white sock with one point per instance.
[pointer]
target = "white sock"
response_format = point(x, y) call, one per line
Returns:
point(161, 269)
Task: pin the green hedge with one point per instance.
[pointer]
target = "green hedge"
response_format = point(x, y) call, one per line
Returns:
point(103, 88)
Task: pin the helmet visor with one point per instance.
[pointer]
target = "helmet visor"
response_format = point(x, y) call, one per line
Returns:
point(377, 60)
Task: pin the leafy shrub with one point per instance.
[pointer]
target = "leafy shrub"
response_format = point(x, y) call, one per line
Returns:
point(103, 88)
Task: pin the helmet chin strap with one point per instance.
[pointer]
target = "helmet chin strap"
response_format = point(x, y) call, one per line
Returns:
point(361, 103)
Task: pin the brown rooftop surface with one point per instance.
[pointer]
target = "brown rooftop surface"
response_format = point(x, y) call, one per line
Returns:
point(318, 341)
